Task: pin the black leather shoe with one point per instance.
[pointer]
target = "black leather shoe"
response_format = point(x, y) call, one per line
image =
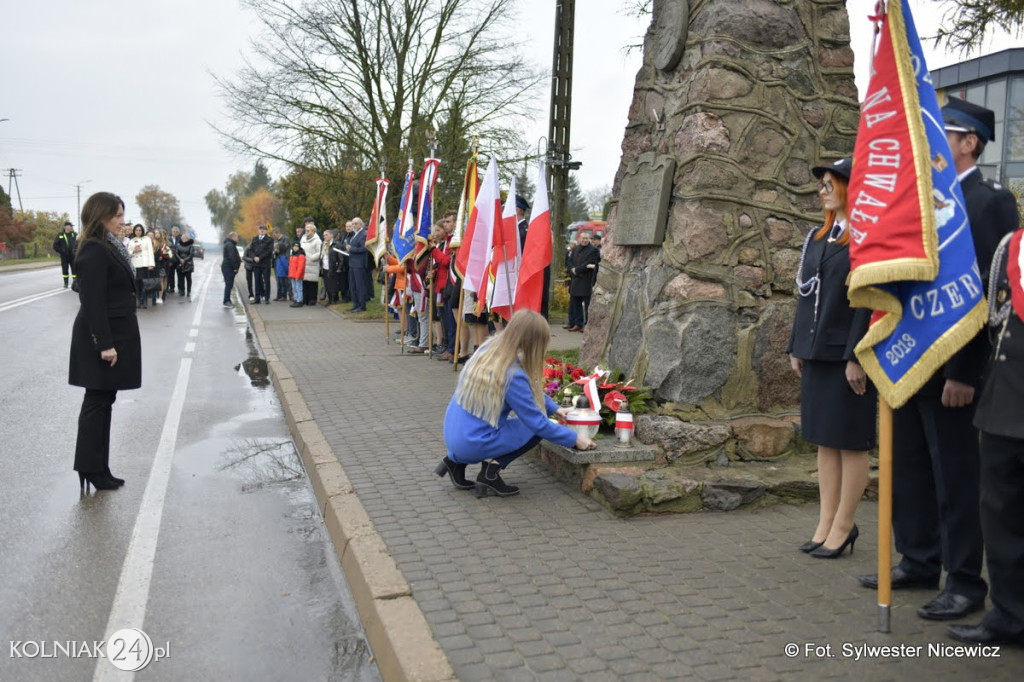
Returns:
point(949, 606)
point(979, 634)
point(901, 580)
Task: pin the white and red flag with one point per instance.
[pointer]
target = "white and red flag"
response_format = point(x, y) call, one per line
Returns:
point(377, 228)
point(504, 267)
point(475, 252)
point(589, 384)
point(536, 254)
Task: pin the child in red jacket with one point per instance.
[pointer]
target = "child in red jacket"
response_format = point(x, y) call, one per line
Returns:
point(296, 270)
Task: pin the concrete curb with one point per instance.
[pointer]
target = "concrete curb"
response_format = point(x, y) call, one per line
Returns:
point(403, 644)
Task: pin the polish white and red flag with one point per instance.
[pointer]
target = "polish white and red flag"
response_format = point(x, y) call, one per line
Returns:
point(536, 250)
point(475, 253)
point(504, 268)
point(589, 384)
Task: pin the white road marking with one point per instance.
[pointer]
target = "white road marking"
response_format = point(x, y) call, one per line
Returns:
point(189, 347)
point(25, 300)
point(193, 332)
point(129, 608)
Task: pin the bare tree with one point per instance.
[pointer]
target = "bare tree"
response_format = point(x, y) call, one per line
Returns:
point(348, 83)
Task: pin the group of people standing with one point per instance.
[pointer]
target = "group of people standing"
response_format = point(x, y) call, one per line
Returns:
point(161, 261)
point(957, 494)
point(334, 263)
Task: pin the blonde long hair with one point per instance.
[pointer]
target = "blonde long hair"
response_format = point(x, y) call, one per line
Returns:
point(482, 386)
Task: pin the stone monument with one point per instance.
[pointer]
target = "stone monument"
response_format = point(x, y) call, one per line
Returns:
point(735, 102)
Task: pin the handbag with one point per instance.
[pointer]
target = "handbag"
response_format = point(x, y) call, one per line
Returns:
point(150, 284)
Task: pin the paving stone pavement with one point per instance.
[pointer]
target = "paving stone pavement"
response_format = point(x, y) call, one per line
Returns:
point(547, 585)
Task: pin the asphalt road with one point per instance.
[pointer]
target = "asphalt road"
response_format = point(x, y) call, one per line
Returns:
point(214, 547)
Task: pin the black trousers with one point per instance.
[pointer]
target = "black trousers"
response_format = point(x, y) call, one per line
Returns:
point(92, 449)
point(184, 282)
point(262, 276)
point(67, 264)
point(936, 486)
point(1002, 524)
point(172, 268)
point(229, 282)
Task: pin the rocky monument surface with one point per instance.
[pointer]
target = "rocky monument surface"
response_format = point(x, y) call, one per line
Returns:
point(735, 102)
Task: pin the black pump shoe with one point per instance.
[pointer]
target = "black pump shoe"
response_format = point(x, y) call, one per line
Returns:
point(97, 481)
point(824, 552)
point(456, 472)
point(810, 546)
point(489, 480)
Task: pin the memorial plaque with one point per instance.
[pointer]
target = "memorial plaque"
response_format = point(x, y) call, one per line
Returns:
point(643, 201)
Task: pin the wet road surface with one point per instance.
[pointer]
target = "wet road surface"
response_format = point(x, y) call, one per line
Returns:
point(214, 547)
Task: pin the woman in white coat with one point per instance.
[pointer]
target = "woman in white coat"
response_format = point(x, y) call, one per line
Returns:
point(311, 245)
point(140, 248)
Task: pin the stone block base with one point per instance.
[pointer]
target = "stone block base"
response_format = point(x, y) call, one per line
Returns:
point(630, 485)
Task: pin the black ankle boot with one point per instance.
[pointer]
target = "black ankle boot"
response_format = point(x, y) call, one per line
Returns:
point(456, 472)
point(489, 479)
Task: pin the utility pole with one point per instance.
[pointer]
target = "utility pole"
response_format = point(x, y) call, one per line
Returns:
point(12, 177)
point(78, 188)
point(558, 157)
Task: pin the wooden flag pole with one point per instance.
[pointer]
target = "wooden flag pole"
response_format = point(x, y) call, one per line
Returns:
point(884, 516)
point(402, 317)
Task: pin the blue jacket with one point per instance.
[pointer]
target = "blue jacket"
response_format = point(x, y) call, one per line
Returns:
point(469, 439)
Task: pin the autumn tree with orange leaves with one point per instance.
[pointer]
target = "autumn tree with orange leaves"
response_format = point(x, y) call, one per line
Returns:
point(259, 208)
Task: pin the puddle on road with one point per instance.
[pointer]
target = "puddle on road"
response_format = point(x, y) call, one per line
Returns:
point(262, 461)
point(257, 370)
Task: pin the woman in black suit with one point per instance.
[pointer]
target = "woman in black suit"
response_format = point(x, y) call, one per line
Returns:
point(837, 403)
point(106, 352)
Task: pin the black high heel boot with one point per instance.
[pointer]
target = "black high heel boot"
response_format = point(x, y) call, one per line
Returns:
point(115, 479)
point(456, 472)
point(824, 552)
point(97, 481)
point(489, 479)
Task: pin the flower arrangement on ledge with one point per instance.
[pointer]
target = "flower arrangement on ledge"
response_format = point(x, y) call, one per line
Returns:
point(563, 382)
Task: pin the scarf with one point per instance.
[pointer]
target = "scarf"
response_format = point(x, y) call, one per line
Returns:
point(120, 251)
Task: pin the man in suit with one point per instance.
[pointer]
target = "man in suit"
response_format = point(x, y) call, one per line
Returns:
point(358, 267)
point(262, 259)
point(582, 266)
point(936, 469)
point(1002, 456)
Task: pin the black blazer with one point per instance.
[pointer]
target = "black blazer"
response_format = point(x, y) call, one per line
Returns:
point(263, 248)
point(838, 328)
point(582, 280)
point(106, 319)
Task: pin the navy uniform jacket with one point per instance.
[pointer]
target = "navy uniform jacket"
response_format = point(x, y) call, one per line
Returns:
point(838, 327)
point(1000, 406)
point(992, 210)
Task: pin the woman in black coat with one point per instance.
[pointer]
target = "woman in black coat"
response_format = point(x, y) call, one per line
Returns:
point(106, 351)
point(837, 403)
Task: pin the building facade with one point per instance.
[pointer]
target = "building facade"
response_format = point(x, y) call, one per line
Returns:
point(995, 81)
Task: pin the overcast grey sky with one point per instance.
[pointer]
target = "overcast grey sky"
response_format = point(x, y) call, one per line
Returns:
point(118, 92)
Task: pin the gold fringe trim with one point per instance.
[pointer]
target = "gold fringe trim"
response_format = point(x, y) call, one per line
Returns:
point(946, 346)
point(918, 137)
